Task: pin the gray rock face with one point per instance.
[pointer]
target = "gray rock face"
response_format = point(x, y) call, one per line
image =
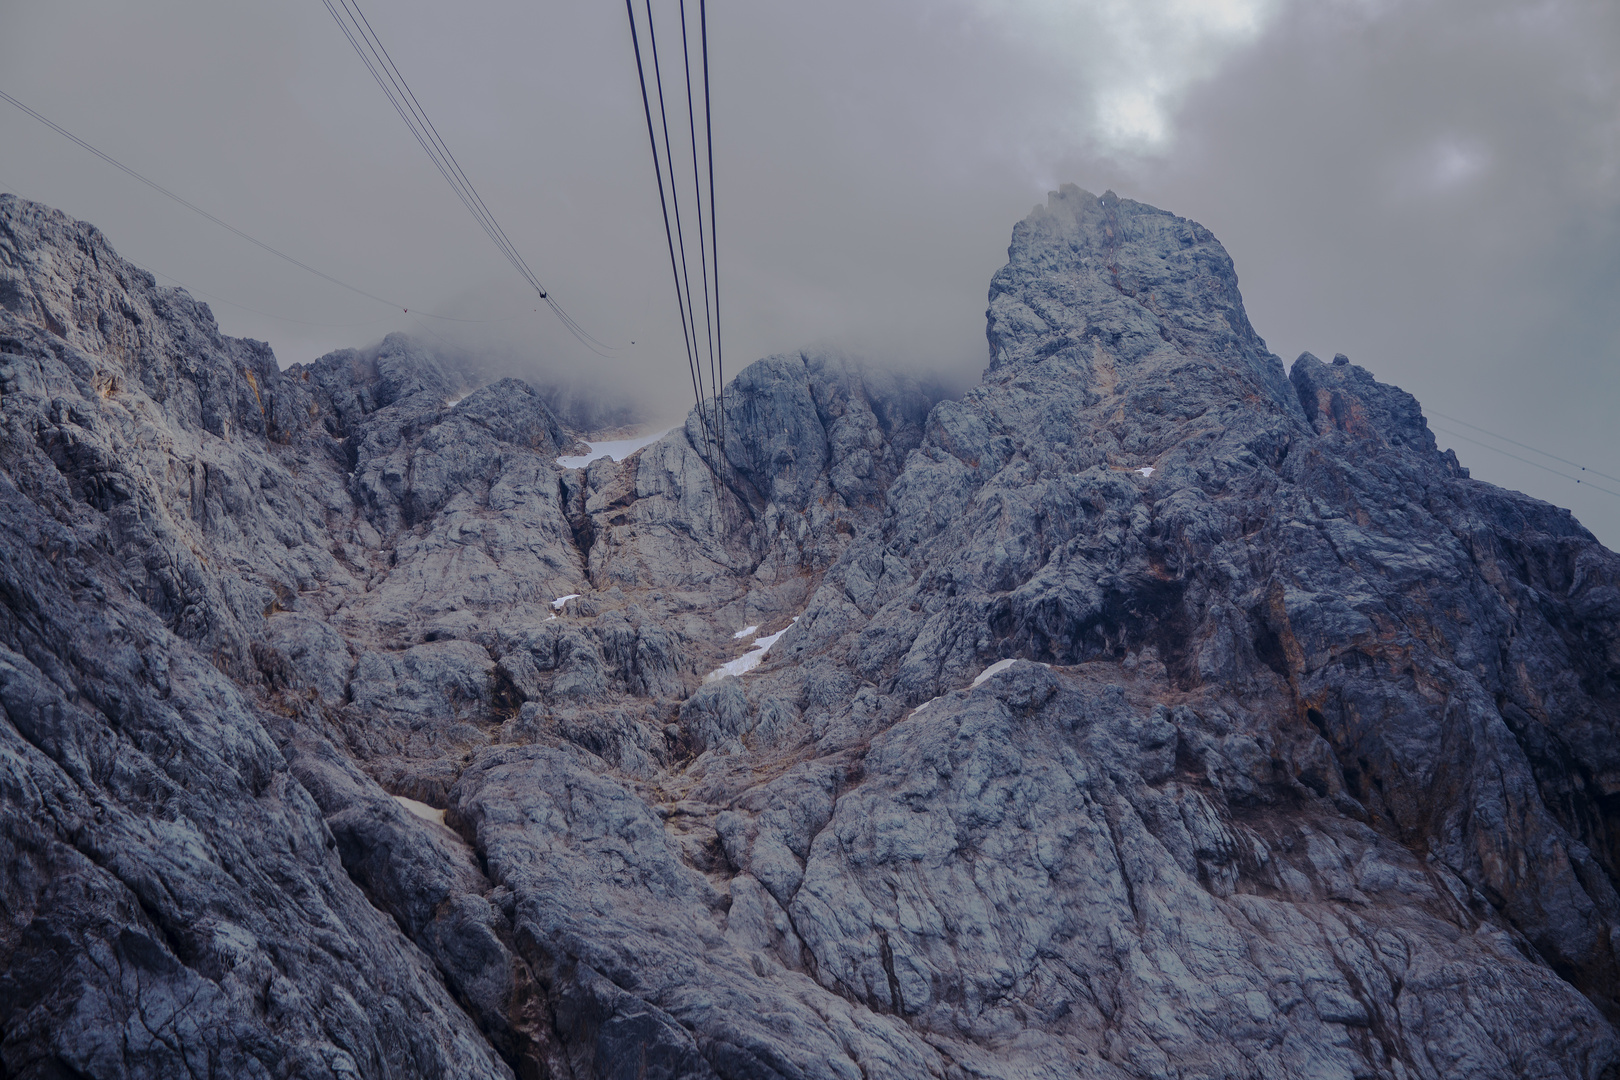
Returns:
point(1143, 712)
point(173, 901)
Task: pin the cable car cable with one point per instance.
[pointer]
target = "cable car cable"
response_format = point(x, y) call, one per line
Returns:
point(1526, 446)
point(663, 201)
point(714, 228)
point(194, 208)
point(689, 316)
point(703, 249)
point(1527, 461)
point(374, 55)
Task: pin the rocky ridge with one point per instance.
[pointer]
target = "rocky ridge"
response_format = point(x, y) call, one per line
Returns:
point(1148, 711)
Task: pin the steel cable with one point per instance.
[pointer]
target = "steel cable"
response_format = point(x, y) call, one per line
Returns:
point(374, 55)
point(684, 277)
point(658, 173)
point(159, 188)
point(714, 242)
point(189, 205)
point(1527, 461)
point(696, 339)
point(1524, 446)
point(703, 249)
point(663, 200)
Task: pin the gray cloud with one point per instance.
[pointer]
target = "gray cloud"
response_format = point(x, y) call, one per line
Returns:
point(1427, 185)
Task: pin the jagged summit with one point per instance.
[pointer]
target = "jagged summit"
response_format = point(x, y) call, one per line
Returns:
point(1102, 288)
point(1142, 712)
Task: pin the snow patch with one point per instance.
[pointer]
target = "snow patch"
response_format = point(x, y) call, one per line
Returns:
point(994, 669)
point(615, 449)
point(557, 604)
point(747, 631)
point(422, 810)
point(1146, 470)
point(451, 403)
point(999, 666)
point(923, 706)
point(748, 661)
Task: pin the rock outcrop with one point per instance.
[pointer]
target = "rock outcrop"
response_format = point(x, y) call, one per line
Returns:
point(1144, 711)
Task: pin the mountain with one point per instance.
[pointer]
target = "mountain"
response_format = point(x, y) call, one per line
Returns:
point(1145, 711)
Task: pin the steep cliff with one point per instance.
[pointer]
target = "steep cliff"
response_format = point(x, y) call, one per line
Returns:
point(1145, 711)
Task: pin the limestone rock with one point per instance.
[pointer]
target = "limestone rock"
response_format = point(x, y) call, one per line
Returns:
point(1143, 711)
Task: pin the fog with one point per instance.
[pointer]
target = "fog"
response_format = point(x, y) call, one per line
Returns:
point(1429, 186)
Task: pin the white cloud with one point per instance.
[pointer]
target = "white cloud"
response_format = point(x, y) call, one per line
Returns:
point(1129, 63)
point(1441, 166)
point(1452, 164)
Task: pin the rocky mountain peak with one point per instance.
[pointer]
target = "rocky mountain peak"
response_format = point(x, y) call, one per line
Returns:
point(1140, 712)
point(1123, 295)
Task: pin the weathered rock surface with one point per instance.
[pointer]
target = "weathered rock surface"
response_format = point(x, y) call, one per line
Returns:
point(173, 901)
point(1148, 711)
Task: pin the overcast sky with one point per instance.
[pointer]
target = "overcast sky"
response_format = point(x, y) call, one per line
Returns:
point(1430, 186)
